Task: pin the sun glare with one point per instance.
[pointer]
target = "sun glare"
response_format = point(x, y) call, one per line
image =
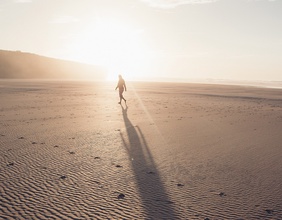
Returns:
point(113, 45)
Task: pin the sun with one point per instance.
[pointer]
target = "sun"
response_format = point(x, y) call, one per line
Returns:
point(115, 46)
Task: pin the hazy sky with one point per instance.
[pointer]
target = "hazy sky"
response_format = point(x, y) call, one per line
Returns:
point(221, 39)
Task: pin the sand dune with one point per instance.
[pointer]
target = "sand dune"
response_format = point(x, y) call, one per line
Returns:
point(176, 151)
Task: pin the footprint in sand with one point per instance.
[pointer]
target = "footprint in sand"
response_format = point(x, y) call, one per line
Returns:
point(63, 177)
point(10, 164)
point(97, 182)
point(118, 166)
point(121, 196)
point(179, 184)
point(96, 158)
point(269, 211)
point(221, 194)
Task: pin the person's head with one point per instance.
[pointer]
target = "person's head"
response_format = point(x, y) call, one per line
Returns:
point(119, 76)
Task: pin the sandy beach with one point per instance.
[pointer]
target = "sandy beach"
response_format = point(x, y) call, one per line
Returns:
point(176, 151)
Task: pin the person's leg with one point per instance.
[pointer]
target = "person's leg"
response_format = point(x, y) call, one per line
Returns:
point(120, 96)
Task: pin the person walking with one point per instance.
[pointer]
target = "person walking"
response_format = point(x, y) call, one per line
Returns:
point(121, 87)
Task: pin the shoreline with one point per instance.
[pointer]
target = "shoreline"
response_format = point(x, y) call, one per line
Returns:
point(244, 83)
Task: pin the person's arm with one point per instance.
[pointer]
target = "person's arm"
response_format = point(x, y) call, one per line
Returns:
point(124, 86)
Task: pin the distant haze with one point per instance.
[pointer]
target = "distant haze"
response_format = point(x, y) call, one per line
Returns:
point(18, 65)
point(152, 39)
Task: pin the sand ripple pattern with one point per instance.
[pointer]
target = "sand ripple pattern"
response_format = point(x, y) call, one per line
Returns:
point(68, 151)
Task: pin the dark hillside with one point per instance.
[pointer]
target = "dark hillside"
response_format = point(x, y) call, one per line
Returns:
point(19, 65)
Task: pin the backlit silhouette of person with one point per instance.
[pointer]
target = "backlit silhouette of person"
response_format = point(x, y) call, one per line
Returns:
point(121, 87)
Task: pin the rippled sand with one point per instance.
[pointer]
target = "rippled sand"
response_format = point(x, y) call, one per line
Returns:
point(176, 151)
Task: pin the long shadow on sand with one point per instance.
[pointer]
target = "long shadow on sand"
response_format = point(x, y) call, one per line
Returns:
point(155, 201)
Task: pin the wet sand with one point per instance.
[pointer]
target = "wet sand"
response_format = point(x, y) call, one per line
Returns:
point(176, 151)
